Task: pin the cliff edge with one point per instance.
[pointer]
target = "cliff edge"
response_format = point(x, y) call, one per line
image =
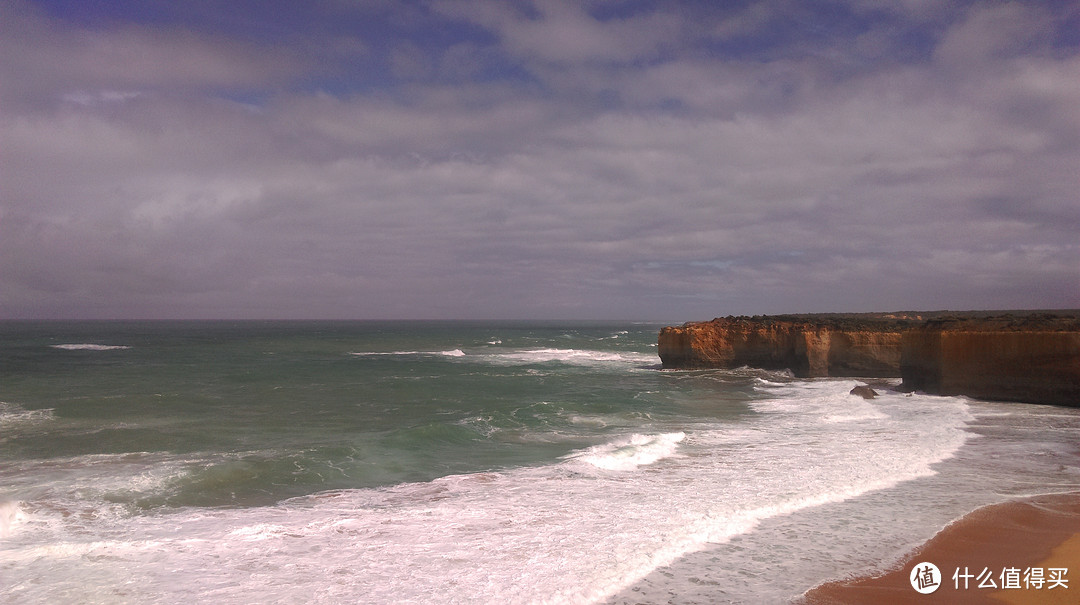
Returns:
point(1033, 358)
point(1030, 357)
point(865, 345)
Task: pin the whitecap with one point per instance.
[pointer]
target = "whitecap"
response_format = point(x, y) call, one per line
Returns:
point(12, 415)
point(11, 515)
point(572, 356)
point(259, 532)
point(449, 353)
point(89, 347)
point(628, 453)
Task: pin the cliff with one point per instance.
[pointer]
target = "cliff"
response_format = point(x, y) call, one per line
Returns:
point(808, 345)
point(1034, 357)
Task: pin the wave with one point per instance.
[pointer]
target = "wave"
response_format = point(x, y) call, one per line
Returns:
point(13, 415)
point(449, 353)
point(578, 357)
point(628, 453)
point(109, 485)
point(89, 347)
point(575, 530)
point(10, 516)
point(572, 356)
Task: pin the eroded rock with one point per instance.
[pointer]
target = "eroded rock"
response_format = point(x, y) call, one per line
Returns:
point(1030, 357)
point(863, 391)
point(809, 346)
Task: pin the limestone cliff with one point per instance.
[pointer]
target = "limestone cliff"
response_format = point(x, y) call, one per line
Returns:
point(818, 345)
point(1033, 358)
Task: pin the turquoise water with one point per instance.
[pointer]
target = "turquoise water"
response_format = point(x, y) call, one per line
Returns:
point(435, 462)
point(286, 409)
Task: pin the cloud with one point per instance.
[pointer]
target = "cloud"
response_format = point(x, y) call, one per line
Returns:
point(45, 59)
point(996, 31)
point(646, 178)
point(563, 32)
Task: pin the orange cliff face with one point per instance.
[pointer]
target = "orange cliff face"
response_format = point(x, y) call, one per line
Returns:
point(1034, 359)
point(808, 346)
point(1031, 358)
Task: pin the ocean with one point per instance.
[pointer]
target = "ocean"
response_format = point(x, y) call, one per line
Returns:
point(468, 462)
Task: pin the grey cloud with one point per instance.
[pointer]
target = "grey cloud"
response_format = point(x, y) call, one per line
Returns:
point(564, 33)
point(996, 31)
point(901, 186)
point(45, 60)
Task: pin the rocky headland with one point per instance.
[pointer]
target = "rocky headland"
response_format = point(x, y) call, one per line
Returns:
point(1020, 356)
point(1033, 358)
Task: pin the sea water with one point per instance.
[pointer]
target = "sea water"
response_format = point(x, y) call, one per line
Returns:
point(429, 462)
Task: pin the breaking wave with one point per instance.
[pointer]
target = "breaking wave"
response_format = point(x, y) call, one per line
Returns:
point(89, 347)
point(628, 453)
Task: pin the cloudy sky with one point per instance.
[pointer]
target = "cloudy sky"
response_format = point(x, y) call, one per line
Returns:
point(546, 159)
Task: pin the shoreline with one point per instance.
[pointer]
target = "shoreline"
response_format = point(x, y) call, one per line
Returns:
point(1039, 532)
point(1013, 453)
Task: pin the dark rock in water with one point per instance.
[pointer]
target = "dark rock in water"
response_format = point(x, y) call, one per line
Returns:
point(863, 391)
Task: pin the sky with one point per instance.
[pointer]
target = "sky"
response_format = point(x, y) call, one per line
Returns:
point(547, 159)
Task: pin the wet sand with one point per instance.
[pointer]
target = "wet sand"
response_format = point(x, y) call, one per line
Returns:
point(1042, 532)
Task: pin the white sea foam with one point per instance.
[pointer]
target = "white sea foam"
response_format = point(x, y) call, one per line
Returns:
point(856, 409)
point(628, 453)
point(580, 357)
point(259, 531)
point(89, 347)
point(10, 515)
point(62, 485)
point(12, 415)
point(574, 531)
point(449, 353)
point(594, 420)
point(571, 357)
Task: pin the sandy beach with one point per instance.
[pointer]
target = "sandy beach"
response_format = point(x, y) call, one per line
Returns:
point(1015, 550)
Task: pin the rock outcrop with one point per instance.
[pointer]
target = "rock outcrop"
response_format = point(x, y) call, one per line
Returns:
point(1032, 357)
point(863, 391)
point(808, 345)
